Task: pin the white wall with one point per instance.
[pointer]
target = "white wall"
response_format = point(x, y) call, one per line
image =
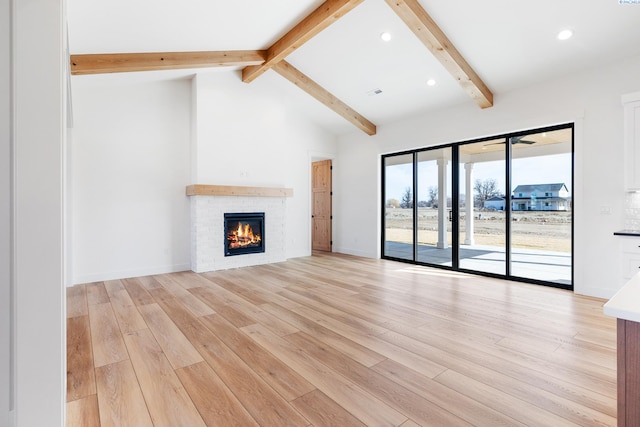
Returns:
point(248, 135)
point(5, 213)
point(38, 274)
point(356, 207)
point(129, 169)
point(132, 148)
point(591, 99)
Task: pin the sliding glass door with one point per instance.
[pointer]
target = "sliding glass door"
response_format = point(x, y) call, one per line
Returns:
point(483, 231)
point(434, 206)
point(541, 206)
point(398, 225)
point(500, 206)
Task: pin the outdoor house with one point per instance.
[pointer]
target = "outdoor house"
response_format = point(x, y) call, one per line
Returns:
point(541, 197)
point(494, 203)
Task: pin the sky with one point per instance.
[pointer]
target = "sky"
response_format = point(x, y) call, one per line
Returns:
point(531, 170)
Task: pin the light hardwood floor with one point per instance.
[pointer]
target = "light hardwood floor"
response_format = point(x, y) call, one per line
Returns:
point(336, 340)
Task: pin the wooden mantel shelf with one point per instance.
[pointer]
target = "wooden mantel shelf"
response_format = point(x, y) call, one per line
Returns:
point(232, 190)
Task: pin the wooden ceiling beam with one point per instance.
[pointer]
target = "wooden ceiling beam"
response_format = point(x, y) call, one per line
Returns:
point(425, 28)
point(127, 62)
point(296, 77)
point(325, 15)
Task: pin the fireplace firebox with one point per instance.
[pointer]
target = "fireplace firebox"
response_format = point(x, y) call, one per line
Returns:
point(244, 233)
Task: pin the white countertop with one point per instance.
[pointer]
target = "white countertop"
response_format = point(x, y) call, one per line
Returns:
point(625, 304)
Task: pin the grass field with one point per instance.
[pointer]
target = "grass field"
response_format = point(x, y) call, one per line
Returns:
point(529, 229)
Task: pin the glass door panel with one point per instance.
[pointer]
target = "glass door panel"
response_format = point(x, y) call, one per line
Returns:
point(541, 206)
point(482, 223)
point(434, 206)
point(398, 208)
point(513, 212)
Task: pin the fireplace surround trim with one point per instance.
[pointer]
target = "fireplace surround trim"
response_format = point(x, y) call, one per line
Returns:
point(235, 190)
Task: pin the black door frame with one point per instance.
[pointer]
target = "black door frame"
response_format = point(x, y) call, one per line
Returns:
point(455, 194)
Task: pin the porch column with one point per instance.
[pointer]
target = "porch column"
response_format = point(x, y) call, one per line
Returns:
point(443, 216)
point(468, 196)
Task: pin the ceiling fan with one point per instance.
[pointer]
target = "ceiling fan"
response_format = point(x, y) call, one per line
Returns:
point(515, 140)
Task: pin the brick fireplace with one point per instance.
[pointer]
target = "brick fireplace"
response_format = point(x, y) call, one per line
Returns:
point(210, 203)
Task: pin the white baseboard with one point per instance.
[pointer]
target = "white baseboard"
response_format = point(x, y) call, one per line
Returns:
point(355, 252)
point(113, 275)
point(603, 293)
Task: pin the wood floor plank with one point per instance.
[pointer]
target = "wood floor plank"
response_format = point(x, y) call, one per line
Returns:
point(598, 361)
point(160, 294)
point(112, 286)
point(189, 279)
point(587, 352)
point(215, 402)
point(231, 283)
point(76, 301)
point(334, 315)
point(229, 311)
point(281, 377)
point(335, 339)
point(190, 301)
point(322, 411)
point(267, 287)
point(167, 400)
point(474, 333)
point(320, 276)
point(128, 316)
point(457, 403)
point(516, 408)
point(382, 311)
point(362, 404)
point(389, 350)
point(119, 396)
point(106, 339)
point(138, 293)
point(149, 282)
point(96, 293)
point(499, 370)
point(396, 396)
point(519, 321)
point(83, 412)
point(231, 298)
point(598, 337)
point(260, 400)
point(354, 350)
point(179, 351)
point(273, 323)
point(80, 373)
point(235, 298)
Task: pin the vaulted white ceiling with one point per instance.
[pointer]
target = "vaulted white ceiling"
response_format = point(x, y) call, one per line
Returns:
point(510, 44)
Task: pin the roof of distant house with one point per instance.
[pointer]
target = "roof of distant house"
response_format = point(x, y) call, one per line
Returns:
point(495, 199)
point(530, 188)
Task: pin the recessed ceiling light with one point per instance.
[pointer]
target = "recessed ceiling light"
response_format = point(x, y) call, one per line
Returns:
point(385, 36)
point(565, 34)
point(431, 82)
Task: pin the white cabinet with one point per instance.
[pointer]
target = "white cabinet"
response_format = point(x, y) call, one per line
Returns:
point(631, 104)
point(630, 257)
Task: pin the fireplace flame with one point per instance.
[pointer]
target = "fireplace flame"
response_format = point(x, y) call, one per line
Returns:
point(243, 236)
